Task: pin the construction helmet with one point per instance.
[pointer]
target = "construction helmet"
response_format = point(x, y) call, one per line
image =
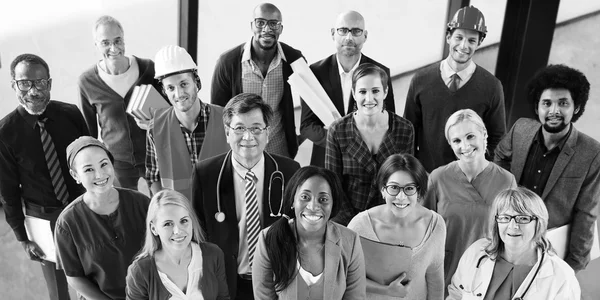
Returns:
point(469, 17)
point(170, 60)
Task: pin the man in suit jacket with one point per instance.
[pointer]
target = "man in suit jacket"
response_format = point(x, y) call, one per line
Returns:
point(219, 188)
point(335, 75)
point(552, 158)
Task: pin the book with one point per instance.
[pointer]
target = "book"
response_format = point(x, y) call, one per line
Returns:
point(146, 99)
point(39, 231)
point(561, 236)
point(385, 262)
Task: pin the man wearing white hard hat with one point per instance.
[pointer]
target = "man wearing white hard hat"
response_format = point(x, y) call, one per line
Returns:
point(175, 140)
point(437, 91)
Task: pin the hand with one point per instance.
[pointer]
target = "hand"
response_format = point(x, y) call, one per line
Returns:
point(33, 250)
point(143, 124)
point(399, 287)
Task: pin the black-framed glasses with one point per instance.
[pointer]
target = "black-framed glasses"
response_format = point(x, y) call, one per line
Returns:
point(519, 219)
point(118, 42)
point(25, 85)
point(260, 23)
point(343, 31)
point(394, 190)
point(240, 130)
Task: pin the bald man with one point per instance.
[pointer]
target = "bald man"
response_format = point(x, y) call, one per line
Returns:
point(262, 66)
point(335, 75)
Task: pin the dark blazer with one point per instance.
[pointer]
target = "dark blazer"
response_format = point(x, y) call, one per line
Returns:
point(204, 200)
point(572, 192)
point(227, 83)
point(328, 75)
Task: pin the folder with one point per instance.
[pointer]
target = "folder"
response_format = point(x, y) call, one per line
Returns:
point(39, 231)
point(385, 262)
point(561, 236)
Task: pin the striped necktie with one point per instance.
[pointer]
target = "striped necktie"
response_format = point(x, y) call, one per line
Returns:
point(454, 82)
point(252, 221)
point(58, 182)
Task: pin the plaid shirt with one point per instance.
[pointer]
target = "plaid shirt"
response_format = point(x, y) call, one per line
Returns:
point(193, 141)
point(348, 156)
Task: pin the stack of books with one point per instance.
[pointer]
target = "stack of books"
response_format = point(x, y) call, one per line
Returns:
point(144, 99)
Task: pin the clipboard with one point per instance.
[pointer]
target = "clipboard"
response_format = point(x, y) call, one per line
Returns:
point(385, 262)
point(39, 231)
point(561, 236)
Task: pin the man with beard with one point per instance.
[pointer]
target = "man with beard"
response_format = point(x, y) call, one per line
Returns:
point(552, 158)
point(455, 83)
point(175, 140)
point(335, 75)
point(33, 163)
point(262, 66)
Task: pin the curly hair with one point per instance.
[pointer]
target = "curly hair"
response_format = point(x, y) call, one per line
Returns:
point(560, 77)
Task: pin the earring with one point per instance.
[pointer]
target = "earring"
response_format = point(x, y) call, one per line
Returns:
point(77, 181)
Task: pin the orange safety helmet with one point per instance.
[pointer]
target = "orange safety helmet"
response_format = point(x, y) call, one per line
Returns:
point(469, 17)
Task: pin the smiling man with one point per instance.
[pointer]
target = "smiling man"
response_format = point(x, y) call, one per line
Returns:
point(239, 193)
point(552, 158)
point(455, 83)
point(262, 66)
point(175, 140)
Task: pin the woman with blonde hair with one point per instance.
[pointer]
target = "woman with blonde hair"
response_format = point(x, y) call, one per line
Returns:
point(175, 260)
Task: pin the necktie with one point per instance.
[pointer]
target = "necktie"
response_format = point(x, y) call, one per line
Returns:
point(58, 182)
point(454, 82)
point(252, 221)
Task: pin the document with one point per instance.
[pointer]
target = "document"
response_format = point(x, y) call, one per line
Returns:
point(385, 262)
point(561, 236)
point(39, 231)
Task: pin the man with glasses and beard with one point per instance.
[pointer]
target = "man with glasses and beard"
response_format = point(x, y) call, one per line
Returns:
point(335, 75)
point(552, 158)
point(262, 66)
point(33, 162)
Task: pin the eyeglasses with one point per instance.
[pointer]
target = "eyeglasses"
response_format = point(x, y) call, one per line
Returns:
point(394, 190)
point(520, 219)
point(117, 42)
point(25, 85)
point(261, 23)
point(343, 31)
point(240, 130)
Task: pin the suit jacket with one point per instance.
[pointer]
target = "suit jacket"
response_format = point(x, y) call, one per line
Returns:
point(328, 75)
point(344, 272)
point(204, 199)
point(572, 191)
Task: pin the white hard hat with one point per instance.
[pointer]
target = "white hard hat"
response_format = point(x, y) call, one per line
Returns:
point(172, 59)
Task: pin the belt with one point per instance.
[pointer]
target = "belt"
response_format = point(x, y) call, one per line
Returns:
point(246, 276)
point(41, 209)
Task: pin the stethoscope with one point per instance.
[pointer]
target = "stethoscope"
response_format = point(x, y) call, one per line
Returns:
point(528, 286)
point(220, 216)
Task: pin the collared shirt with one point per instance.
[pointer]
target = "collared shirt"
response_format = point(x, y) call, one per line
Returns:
point(540, 162)
point(239, 185)
point(194, 271)
point(346, 80)
point(446, 71)
point(120, 83)
point(24, 174)
point(270, 88)
point(193, 141)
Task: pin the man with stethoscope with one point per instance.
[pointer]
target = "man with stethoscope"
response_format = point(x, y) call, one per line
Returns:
point(238, 193)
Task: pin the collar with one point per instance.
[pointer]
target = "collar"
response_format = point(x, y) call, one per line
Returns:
point(539, 138)
point(247, 51)
point(258, 169)
point(204, 111)
point(447, 71)
point(341, 69)
point(30, 119)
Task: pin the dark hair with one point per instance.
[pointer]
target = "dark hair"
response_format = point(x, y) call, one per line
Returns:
point(245, 102)
point(28, 58)
point(369, 69)
point(560, 77)
point(406, 163)
point(280, 240)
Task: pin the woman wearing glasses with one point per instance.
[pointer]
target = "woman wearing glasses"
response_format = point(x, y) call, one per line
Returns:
point(462, 191)
point(516, 261)
point(358, 143)
point(402, 182)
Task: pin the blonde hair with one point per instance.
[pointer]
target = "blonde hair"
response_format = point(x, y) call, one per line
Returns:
point(463, 115)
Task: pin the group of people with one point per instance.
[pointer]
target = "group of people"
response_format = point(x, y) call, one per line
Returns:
point(233, 216)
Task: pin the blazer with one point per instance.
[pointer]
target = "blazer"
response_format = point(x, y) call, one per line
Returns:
point(572, 191)
point(143, 281)
point(555, 279)
point(344, 272)
point(204, 199)
point(328, 75)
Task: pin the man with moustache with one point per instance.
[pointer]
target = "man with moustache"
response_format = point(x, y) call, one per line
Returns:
point(455, 83)
point(33, 163)
point(104, 92)
point(176, 137)
point(335, 75)
point(552, 158)
point(262, 66)
point(239, 193)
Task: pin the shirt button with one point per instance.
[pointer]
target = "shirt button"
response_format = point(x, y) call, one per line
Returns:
point(535, 186)
point(539, 171)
